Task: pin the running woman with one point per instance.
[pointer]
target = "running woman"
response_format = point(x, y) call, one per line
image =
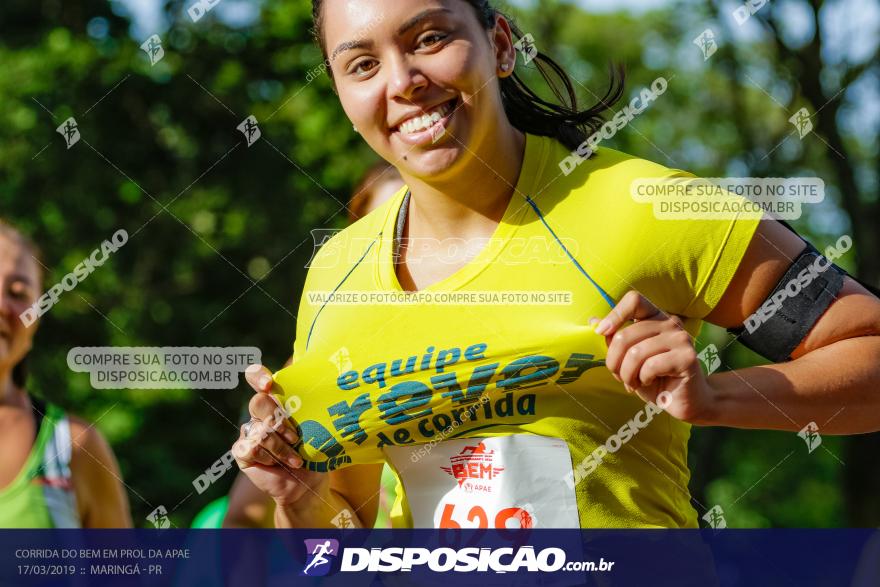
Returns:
point(543, 372)
point(56, 470)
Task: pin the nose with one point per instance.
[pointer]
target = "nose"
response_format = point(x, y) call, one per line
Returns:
point(405, 80)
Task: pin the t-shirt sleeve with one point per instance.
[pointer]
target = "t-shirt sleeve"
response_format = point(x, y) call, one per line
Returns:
point(685, 259)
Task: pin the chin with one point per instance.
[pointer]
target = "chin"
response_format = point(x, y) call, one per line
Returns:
point(434, 163)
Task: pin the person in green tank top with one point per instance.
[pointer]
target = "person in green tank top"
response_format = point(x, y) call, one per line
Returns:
point(56, 470)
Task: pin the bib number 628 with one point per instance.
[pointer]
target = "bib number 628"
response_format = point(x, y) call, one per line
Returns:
point(479, 516)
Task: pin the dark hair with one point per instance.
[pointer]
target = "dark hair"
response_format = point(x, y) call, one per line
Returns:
point(19, 372)
point(524, 108)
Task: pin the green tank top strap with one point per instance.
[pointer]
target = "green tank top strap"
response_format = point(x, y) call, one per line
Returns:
point(57, 479)
point(42, 495)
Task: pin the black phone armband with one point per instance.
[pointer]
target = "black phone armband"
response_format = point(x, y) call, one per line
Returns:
point(804, 293)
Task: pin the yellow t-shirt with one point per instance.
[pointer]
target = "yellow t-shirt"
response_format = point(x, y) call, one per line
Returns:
point(376, 375)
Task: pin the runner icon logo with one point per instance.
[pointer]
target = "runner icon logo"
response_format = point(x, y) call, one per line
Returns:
point(475, 465)
point(321, 553)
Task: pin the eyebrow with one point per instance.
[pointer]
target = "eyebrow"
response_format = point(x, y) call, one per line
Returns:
point(412, 22)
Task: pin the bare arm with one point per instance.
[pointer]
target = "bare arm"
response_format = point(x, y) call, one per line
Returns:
point(248, 506)
point(350, 495)
point(834, 379)
point(100, 494)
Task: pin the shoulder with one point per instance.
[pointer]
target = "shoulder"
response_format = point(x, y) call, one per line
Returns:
point(89, 447)
point(561, 173)
point(97, 479)
point(602, 187)
point(609, 171)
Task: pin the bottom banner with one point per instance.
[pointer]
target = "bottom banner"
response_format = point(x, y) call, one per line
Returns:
point(801, 558)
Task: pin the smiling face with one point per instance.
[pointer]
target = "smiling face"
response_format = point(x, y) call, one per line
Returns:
point(418, 78)
point(19, 288)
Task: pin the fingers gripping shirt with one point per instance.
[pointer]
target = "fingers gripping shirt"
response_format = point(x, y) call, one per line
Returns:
point(503, 347)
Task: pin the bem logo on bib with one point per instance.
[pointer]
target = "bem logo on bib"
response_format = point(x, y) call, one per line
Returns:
point(505, 482)
point(475, 464)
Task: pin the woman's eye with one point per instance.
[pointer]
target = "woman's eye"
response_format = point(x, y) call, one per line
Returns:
point(431, 39)
point(364, 67)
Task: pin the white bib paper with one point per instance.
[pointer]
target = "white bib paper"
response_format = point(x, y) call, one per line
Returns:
point(497, 482)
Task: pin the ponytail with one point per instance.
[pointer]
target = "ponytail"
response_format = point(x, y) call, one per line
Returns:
point(530, 113)
point(19, 374)
point(563, 122)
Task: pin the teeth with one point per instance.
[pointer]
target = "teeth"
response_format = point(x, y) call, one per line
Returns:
point(420, 123)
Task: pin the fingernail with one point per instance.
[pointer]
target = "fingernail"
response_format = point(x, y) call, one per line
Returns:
point(265, 381)
point(603, 327)
point(294, 462)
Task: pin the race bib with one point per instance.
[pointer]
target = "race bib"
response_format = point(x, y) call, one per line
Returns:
point(515, 481)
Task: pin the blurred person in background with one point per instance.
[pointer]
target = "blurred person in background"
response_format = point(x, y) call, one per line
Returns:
point(379, 183)
point(56, 470)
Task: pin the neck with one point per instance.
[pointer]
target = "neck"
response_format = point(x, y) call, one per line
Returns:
point(473, 201)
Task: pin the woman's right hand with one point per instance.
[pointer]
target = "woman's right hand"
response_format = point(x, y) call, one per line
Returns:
point(266, 454)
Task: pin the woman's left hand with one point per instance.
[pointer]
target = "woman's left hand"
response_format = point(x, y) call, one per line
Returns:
point(653, 355)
